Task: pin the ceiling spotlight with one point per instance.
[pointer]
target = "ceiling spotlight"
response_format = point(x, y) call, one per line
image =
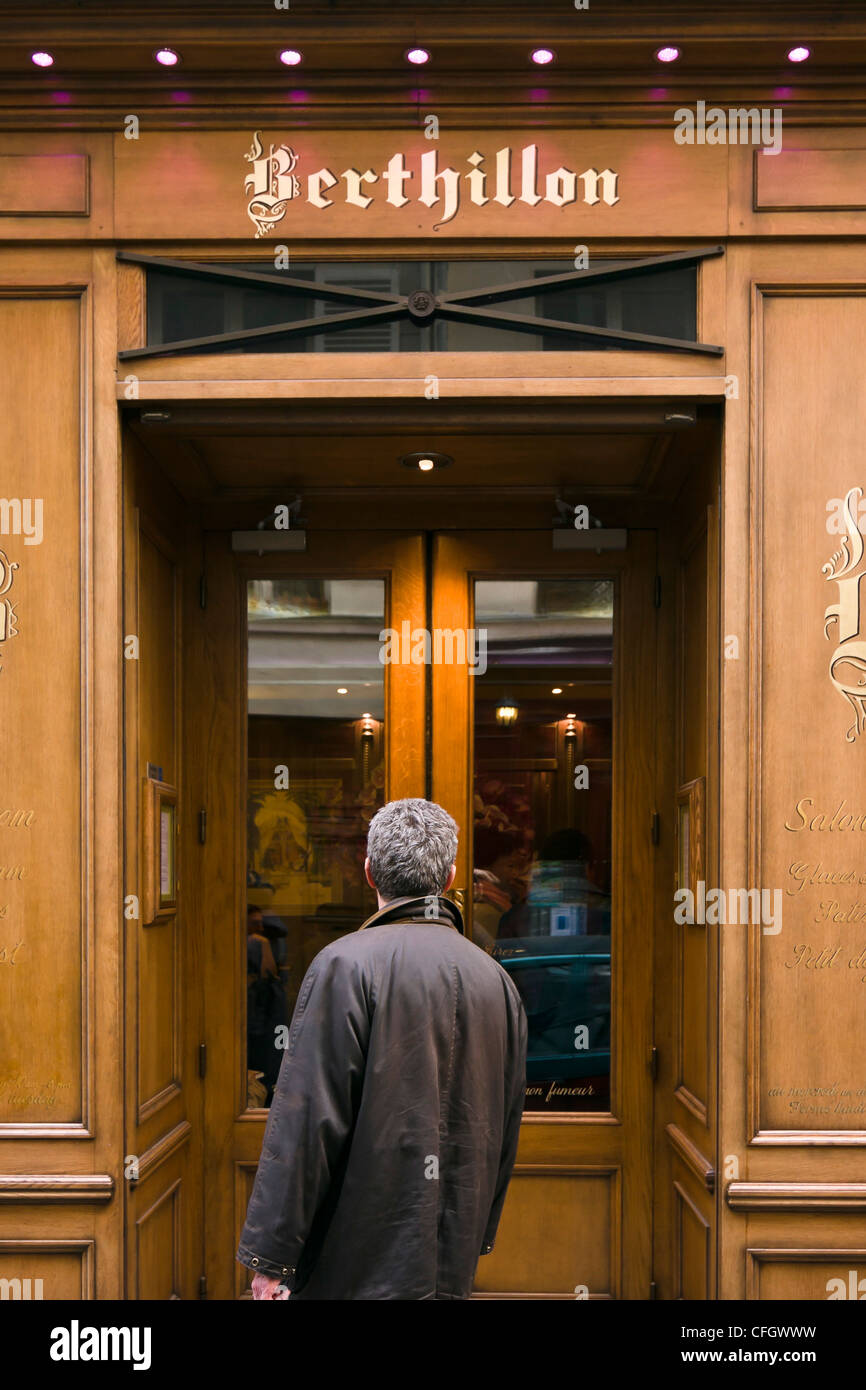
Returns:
point(418, 56)
point(167, 57)
point(291, 57)
point(668, 54)
point(42, 60)
point(798, 54)
point(557, 690)
point(426, 461)
point(543, 56)
point(341, 690)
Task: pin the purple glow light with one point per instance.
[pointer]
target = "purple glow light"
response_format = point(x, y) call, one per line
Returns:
point(167, 57)
point(542, 56)
point(668, 54)
point(417, 56)
point(291, 57)
point(798, 54)
point(42, 60)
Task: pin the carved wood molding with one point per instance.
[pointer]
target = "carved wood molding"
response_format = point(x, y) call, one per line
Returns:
point(56, 1187)
point(796, 1196)
point(164, 1147)
point(691, 1156)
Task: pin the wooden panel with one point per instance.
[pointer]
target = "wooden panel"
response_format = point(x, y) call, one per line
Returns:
point(692, 1245)
point(803, 179)
point(44, 817)
point(805, 1274)
point(158, 1236)
point(66, 1267)
point(559, 1231)
point(205, 189)
point(44, 185)
point(692, 1022)
point(808, 1074)
point(163, 1146)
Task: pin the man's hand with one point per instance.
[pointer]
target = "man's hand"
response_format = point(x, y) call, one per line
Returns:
point(264, 1286)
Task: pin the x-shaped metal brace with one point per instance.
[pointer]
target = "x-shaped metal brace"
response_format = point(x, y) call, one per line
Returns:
point(422, 306)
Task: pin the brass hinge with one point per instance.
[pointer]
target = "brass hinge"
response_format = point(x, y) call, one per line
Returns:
point(202, 1286)
point(653, 1293)
point(654, 1062)
point(202, 1060)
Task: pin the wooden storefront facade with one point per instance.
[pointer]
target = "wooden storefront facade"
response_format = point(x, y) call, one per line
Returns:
point(729, 1160)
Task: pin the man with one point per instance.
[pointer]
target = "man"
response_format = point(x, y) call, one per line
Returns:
point(394, 1125)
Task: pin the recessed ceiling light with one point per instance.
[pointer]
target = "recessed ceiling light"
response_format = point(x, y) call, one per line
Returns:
point(291, 57)
point(557, 690)
point(426, 460)
point(167, 57)
point(543, 56)
point(667, 54)
point(798, 54)
point(341, 690)
point(42, 59)
point(418, 56)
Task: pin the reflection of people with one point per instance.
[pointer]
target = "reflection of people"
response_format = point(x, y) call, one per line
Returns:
point(497, 879)
point(562, 900)
point(393, 1132)
point(266, 1003)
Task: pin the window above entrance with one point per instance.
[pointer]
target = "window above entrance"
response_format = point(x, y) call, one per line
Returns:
point(635, 303)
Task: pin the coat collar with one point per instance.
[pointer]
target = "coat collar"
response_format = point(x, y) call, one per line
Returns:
point(411, 910)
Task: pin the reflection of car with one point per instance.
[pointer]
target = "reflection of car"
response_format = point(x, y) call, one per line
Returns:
point(564, 982)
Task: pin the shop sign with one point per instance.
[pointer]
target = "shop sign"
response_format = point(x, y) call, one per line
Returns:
point(282, 175)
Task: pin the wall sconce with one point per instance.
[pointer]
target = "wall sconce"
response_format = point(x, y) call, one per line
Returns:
point(570, 728)
point(506, 714)
point(368, 726)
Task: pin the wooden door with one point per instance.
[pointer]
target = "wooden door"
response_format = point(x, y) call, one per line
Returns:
point(287, 771)
point(288, 784)
point(545, 755)
point(163, 1148)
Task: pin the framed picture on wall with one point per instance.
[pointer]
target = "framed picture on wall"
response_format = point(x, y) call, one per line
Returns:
point(159, 860)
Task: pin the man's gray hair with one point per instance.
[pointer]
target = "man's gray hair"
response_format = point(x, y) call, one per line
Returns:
point(411, 846)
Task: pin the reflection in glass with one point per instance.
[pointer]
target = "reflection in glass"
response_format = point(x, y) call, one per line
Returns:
point(542, 825)
point(315, 778)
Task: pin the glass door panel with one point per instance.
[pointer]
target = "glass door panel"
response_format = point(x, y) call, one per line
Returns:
point(315, 779)
point(541, 835)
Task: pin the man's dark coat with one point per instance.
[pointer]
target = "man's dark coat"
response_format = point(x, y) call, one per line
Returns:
point(394, 1124)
